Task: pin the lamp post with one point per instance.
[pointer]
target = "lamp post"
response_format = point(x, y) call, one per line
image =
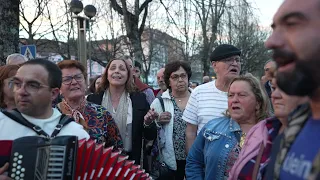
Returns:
point(84, 24)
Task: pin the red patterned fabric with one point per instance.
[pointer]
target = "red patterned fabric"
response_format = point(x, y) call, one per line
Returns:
point(100, 125)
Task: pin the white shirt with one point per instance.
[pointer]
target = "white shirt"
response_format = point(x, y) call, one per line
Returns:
point(206, 102)
point(11, 130)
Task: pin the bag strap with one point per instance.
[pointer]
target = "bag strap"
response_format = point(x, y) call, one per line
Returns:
point(16, 116)
point(258, 161)
point(158, 139)
point(162, 103)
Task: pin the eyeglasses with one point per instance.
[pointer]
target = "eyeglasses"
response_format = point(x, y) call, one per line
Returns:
point(68, 79)
point(176, 77)
point(30, 87)
point(231, 60)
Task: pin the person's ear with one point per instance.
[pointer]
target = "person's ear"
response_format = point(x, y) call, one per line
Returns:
point(54, 93)
point(214, 65)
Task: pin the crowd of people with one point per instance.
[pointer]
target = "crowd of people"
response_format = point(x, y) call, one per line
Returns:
point(235, 127)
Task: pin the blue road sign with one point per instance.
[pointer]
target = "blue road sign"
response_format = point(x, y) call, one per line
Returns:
point(29, 51)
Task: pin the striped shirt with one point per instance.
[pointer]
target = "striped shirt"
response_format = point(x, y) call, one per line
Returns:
point(205, 103)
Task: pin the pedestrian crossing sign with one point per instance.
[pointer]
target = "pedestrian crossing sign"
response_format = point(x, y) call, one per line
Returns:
point(28, 51)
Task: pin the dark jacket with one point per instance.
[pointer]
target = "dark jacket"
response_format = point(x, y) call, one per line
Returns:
point(140, 107)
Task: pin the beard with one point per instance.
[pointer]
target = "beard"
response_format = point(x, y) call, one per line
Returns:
point(303, 80)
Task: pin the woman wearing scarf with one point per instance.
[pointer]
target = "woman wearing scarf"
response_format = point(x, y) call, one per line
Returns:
point(95, 119)
point(127, 105)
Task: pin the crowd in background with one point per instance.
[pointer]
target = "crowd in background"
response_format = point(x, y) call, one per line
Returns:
point(235, 126)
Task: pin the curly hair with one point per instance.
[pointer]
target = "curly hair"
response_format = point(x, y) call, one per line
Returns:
point(260, 94)
point(129, 87)
point(6, 72)
point(174, 66)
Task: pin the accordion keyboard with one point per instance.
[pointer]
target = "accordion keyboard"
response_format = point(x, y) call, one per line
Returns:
point(50, 163)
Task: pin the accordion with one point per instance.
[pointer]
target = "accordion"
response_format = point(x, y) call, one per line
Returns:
point(64, 158)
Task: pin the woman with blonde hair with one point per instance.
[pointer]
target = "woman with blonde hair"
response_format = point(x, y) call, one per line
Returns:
point(218, 144)
point(255, 156)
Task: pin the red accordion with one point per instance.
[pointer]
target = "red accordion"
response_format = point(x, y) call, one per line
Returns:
point(64, 157)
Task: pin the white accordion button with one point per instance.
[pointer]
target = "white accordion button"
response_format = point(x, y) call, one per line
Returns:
point(20, 156)
point(22, 175)
point(14, 170)
point(23, 169)
point(15, 159)
point(13, 175)
point(16, 154)
point(18, 172)
point(19, 167)
point(19, 161)
point(14, 164)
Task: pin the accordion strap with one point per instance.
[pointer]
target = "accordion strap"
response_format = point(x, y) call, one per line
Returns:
point(17, 117)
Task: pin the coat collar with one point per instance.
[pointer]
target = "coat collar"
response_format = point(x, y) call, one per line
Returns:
point(166, 94)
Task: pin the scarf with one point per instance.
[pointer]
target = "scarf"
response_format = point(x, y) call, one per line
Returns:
point(77, 113)
point(120, 117)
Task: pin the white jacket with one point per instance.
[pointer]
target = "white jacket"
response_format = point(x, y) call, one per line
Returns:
point(168, 149)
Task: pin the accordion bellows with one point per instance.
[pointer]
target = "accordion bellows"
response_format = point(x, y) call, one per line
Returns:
point(64, 158)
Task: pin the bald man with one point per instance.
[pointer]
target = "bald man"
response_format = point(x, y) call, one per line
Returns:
point(205, 79)
point(16, 59)
point(269, 69)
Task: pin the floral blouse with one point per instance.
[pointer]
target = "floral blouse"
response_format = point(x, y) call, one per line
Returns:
point(178, 136)
point(100, 124)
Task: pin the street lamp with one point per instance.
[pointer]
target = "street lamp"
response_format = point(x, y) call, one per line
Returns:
point(83, 22)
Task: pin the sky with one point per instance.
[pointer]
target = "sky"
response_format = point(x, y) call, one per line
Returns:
point(266, 9)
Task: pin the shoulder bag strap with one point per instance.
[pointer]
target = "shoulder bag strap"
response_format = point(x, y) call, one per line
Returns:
point(162, 103)
point(158, 139)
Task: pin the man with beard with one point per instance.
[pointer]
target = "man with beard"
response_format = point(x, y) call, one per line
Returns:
point(161, 83)
point(209, 101)
point(295, 42)
point(269, 69)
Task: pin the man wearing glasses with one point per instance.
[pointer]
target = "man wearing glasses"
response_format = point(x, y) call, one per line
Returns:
point(209, 101)
point(269, 69)
point(35, 85)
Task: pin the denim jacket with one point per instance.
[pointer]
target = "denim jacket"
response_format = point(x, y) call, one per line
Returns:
point(209, 153)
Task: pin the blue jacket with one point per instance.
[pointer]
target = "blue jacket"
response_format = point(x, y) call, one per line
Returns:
point(209, 153)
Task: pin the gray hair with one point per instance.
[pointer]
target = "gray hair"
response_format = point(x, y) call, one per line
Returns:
point(16, 56)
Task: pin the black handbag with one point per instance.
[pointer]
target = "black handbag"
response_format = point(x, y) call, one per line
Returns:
point(162, 171)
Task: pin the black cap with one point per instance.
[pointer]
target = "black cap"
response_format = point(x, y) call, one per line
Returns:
point(224, 51)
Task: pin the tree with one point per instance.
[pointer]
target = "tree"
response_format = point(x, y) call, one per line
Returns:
point(37, 8)
point(9, 28)
point(209, 14)
point(132, 21)
point(243, 31)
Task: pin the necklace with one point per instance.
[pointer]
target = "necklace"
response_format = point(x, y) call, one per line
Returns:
point(242, 139)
